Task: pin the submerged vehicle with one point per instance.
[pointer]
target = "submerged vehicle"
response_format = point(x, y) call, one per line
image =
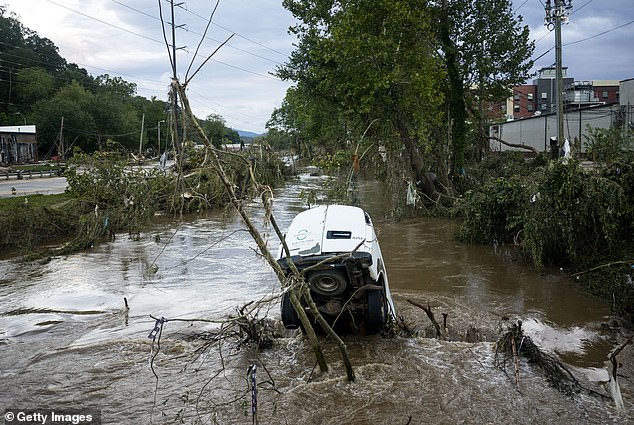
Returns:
point(337, 249)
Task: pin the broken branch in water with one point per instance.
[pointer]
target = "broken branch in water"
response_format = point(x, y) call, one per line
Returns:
point(514, 344)
point(430, 314)
point(614, 382)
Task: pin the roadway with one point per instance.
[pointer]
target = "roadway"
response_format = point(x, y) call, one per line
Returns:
point(32, 186)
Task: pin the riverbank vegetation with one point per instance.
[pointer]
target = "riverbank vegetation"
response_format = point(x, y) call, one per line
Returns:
point(369, 97)
point(108, 194)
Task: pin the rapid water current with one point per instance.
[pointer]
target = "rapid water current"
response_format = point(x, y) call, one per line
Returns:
point(68, 343)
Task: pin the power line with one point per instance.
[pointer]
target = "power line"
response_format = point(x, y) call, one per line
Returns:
point(599, 34)
point(157, 41)
point(520, 6)
point(105, 23)
point(581, 7)
point(587, 38)
point(204, 36)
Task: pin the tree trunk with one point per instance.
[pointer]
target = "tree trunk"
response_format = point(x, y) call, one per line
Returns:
point(262, 246)
point(423, 180)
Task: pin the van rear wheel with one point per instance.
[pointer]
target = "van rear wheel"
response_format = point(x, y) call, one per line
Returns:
point(290, 319)
point(377, 311)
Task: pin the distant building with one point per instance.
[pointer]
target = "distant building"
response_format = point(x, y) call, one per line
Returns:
point(523, 102)
point(541, 97)
point(587, 103)
point(580, 94)
point(546, 88)
point(607, 91)
point(18, 144)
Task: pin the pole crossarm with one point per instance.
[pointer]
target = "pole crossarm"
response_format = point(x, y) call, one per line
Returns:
point(556, 13)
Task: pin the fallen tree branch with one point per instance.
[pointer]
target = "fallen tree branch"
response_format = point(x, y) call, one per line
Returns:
point(602, 266)
point(295, 294)
point(430, 315)
point(614, 378)
point(514, 343)
point(514, 145)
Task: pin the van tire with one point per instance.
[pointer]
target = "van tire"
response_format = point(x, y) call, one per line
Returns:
point(377, 311)
point(329, 283)
point(290, 319)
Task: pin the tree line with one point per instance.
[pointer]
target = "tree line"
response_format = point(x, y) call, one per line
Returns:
point(412, 75)
point(38, 86)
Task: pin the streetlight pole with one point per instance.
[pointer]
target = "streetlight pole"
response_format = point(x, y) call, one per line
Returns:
point(555, 14)
point(158, 137)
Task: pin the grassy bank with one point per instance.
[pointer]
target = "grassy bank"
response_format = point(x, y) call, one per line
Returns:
point(107, 195)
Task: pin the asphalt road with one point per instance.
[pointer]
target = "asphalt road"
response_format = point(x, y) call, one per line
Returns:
point(33, 186)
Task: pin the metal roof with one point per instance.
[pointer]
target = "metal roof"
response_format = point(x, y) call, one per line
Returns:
point(18, 129)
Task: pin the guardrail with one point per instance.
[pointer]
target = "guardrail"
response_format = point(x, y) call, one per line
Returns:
point(29, 174)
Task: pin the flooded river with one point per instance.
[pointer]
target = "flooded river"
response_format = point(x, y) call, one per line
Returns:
point(67, 342)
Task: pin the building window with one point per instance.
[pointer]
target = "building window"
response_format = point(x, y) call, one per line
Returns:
point(544, 95)
point(516, 96)
point(516, 108)
point(605, 94)
point(543, 107)
point(530, 96)
point(530, 107)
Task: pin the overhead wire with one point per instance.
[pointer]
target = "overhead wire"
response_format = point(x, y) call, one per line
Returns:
point(267, 76)
point(285, 55)
point(204, 36)
point(155, 40)
point(583, 39)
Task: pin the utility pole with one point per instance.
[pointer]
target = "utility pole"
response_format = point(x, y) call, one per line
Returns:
point(60, 150)
point(174, 96)
point(141, 138)
point(555, 14)
point(158, 136)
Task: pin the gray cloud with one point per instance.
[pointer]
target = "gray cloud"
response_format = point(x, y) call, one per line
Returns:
point(124, 38)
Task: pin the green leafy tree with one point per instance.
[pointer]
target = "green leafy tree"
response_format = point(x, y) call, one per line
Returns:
point(215, 129)
point(74, 104)
point(73, 73)
point(115, 86)
point(33, 84)
point(486, 47)
point(318, 121)
point(607, 146)
point(369, 61)
point(47, 52)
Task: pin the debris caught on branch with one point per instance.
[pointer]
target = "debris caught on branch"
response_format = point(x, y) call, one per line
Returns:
point(514, 344)
point(615, 389)
point(297, 292)
point(440, 333)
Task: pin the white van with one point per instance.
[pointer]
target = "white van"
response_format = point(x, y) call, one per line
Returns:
point(350, 285)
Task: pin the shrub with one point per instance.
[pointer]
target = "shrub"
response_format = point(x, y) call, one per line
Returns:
point(494, 213)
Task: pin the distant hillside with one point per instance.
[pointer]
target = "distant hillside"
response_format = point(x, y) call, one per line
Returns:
point(247, 134)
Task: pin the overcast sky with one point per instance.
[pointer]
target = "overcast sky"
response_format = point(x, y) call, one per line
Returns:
point(124, 38)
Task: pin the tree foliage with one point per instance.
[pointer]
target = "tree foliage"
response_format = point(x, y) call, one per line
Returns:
point(366, 68)
point(38, 86)
point(408, 65)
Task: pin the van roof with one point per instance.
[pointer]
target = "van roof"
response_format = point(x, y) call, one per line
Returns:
point(329, 229)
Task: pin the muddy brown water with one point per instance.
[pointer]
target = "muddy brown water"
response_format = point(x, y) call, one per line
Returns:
point(66, 342)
